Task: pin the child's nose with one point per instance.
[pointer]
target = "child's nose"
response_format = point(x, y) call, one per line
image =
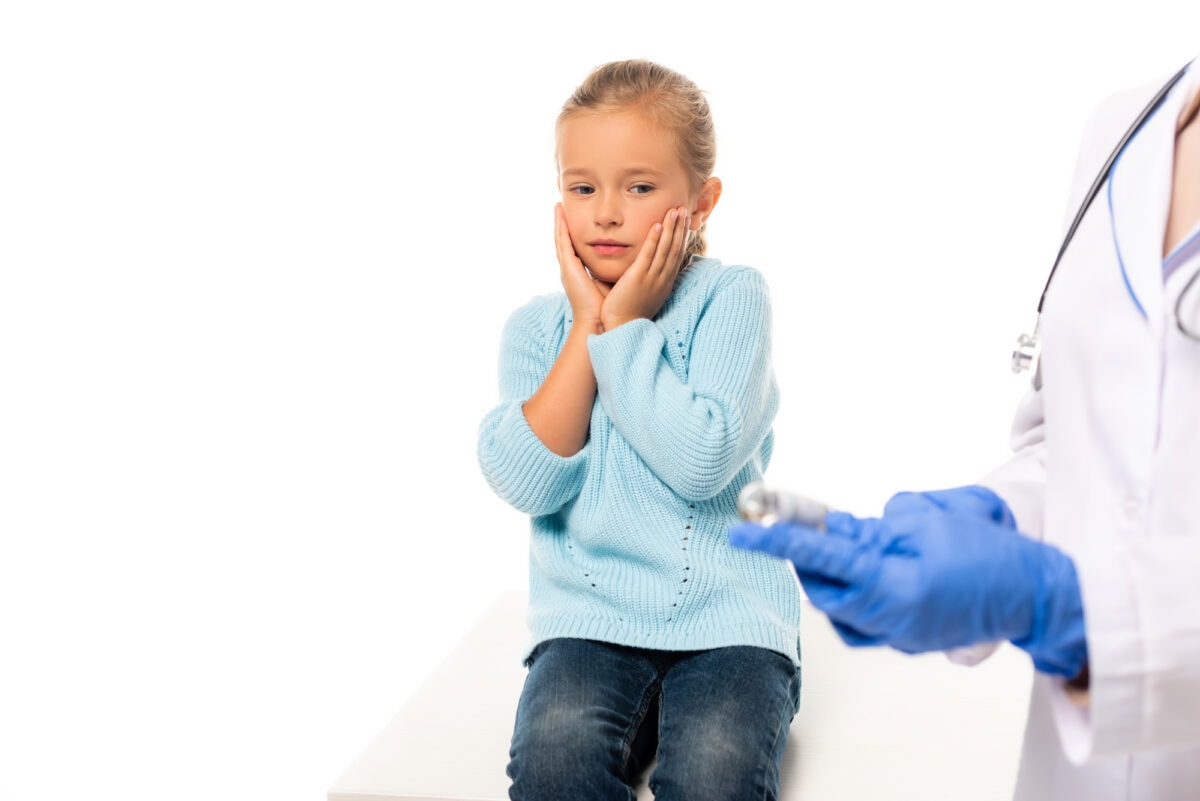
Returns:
point(608, 210)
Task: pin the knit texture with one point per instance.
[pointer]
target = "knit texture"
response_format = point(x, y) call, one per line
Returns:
point(629, 538)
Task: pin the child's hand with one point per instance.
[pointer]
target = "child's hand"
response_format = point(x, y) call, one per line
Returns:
point(645, 286)
point(585, 293)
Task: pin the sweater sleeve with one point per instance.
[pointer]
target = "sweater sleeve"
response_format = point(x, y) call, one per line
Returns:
point(695, 434)
point(515, 463)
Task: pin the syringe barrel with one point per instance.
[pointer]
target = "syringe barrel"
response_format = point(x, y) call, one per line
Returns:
point(761, 504)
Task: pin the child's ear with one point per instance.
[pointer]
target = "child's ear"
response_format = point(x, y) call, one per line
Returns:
point(710, 193)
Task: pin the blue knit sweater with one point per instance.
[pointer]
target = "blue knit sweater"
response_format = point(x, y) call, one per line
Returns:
point(628, 541)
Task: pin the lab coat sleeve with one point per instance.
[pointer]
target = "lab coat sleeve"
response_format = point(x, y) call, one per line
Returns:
point(1143, 617)
point(515, 463)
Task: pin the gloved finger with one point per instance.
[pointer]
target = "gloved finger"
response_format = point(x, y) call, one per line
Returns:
point(757, 537)
point(1000, 513)
point(836, 558)
point(780, 539)
point(826, 596)
point(974, 500)
point(824, 592)
point(844, 524)
point(905, 503)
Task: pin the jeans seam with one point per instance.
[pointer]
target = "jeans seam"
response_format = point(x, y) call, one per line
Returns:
point(782, 731)
point(768, 764)
point(638, 721)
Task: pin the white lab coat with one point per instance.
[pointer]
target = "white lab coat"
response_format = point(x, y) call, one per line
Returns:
point(1107, 467)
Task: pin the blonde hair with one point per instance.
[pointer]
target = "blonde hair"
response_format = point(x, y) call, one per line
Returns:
point(670, 101)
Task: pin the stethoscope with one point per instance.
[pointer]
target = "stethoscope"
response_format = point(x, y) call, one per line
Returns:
point(1028, 350)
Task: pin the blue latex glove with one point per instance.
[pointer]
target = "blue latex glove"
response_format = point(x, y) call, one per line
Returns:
point(935, 580)
point(972, 499)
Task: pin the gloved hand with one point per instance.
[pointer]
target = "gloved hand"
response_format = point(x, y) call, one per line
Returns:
point(935, 580)
point(972, 499)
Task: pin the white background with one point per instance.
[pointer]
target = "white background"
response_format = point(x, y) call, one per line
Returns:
point(255, 260)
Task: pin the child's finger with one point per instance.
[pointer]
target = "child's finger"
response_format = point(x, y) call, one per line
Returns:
point(562, 239)
point(659, 260)
point(650, 247)
point(558, 231)
point(666, 262)
point(679, 241)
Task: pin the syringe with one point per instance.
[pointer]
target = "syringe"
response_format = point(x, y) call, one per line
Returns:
point(758, 503)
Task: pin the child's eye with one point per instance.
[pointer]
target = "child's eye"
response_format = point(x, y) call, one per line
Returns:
point(581, 190)
point(641, 189)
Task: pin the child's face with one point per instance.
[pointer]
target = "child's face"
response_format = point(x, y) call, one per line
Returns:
point(619, 174)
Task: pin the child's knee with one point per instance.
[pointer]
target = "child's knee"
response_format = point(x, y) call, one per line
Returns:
point(719, 768)
point(560, 752)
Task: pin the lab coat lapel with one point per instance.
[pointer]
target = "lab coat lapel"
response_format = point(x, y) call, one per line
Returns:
point(1139, 198)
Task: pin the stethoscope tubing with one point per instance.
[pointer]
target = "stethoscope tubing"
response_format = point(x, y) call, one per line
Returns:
point(1183, 293)
point(1106, 171)
point(1026, 354)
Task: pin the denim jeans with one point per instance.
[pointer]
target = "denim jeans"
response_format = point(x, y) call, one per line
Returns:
point(593, 715)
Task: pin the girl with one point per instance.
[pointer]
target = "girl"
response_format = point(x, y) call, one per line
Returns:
point(634, 407)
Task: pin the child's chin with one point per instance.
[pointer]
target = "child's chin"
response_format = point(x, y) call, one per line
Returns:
point(608, 273)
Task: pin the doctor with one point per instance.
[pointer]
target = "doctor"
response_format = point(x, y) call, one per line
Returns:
point(1083, 549)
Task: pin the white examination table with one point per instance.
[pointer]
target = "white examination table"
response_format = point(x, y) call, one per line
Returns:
point(873, 723)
